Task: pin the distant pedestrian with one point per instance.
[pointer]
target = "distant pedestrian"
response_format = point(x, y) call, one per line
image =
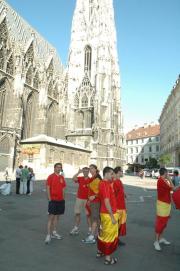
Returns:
point(31, 179)
point(24, 179)
point(18, 178)
point(176, 178)
point(163, 207)
point(81, 199)
point(55, 192)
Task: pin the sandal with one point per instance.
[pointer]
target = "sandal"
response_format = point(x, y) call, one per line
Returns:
point(99, 254)
point(111, 261)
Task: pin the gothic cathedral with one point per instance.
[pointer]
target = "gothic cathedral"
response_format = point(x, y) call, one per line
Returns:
point(75, 109)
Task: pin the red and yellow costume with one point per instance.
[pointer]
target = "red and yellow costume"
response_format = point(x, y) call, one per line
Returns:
point(94, 188)
point(108, 237)
point(121, 205)
point(163, 205)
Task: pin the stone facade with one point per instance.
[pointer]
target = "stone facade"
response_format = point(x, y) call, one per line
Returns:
point(37, 95)
point(170, 126)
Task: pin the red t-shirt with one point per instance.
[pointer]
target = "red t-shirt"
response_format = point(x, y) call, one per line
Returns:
point(56, 184)
point(82, 192)
point(106, 192)
point(119, 194)
point(163, 191)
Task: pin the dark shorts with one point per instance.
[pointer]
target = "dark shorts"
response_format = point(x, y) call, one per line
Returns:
point(56, 207)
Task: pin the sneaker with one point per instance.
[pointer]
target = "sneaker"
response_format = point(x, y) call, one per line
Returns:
point(89, 240)
point(48, 239)
point(164, 241)
point(75, 231)
point(55, 235)
point(157, 246)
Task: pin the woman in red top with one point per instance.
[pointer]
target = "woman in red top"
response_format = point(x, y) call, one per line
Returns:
point(120, 201)
point(94, 203)
point(55, 192)
point(163, 206)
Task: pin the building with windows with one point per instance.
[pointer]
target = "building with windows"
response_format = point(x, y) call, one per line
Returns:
point(142, 144)
point(170, 126)
point(38, 96)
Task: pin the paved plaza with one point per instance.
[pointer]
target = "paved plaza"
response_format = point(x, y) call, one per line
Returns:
point(23, 229)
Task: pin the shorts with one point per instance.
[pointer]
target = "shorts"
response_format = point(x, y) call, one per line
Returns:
point(79, 205)
point(95, 211)
point(56, 207)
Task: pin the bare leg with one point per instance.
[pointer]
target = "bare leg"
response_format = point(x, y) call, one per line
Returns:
point(157, 237)
point(50, 224)
point(55, 222)
point(88, 221)
point(77, 220)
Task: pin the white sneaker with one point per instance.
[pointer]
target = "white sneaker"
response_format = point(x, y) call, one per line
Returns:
point(164, 241)
point(157, 246)
point(75, 231)
point(55, 235)
point(89, 240)
point(48, 239)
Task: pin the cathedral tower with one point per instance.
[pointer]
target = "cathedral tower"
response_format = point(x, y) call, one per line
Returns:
point(95, 118)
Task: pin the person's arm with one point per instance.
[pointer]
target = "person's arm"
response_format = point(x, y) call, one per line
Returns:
point(75, 177)
point(48, 193)
point(108, 207)
point(170, 183)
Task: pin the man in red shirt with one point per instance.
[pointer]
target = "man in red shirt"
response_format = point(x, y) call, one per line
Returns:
point(120, 202)
point(108, 236)
point(55, 192)
point(163, 206)
point(81, 199)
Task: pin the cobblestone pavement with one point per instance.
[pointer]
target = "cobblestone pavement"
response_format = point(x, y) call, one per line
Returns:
point(23, 228)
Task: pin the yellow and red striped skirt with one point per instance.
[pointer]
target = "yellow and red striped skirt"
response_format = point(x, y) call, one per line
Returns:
point(122, 221)
point(108, 236)
point(163, 214)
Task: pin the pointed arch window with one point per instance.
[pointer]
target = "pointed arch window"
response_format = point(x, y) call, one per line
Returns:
point(84, 101)
point(2, 59)
point(36, 81)
point(76, 101)
point(2, 99)
point(90, 8)
point(92, 101)
point(51, 120)
point(10, 65)
point(50, 88)
point(29, 75)
point(88, 60)
point(29, 116)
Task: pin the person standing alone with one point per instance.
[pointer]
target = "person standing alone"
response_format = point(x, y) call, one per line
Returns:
point(55, 192)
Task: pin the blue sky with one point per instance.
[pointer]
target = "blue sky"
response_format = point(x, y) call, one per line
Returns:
point(148, 34)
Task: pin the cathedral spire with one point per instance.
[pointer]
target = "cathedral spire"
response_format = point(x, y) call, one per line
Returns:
point(96, 119)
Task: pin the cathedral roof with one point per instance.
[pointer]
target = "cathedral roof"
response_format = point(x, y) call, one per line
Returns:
point(22, 33)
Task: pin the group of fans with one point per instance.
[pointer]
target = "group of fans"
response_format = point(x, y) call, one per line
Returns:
point(104, 203)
